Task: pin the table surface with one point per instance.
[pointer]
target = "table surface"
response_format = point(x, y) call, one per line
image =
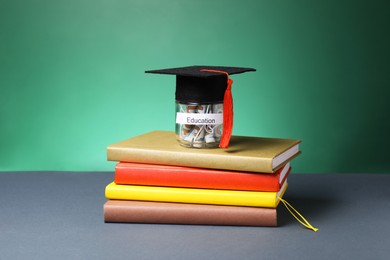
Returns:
point(59, 215)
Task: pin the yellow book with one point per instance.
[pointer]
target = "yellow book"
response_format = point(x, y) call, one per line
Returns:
point(196, 196)
point(245, 153)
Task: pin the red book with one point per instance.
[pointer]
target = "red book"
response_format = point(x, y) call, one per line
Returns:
point(178, 176)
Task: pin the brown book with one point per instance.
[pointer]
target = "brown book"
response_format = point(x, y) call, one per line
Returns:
point(245, 153)
point(123, 211)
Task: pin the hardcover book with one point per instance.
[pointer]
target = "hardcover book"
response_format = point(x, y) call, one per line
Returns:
point(247, 154)
point(179, 176)
point(181, 213)
point(266, 199)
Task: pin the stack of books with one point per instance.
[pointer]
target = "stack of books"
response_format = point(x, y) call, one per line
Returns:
point(158, 181)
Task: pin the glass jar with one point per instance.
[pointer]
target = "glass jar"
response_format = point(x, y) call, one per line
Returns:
point(199, 125)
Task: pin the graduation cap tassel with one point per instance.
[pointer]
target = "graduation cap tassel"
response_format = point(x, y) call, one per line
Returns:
point(227, 116)
point(227, 110)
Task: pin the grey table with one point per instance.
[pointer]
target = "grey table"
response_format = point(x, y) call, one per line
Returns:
point(58, 215)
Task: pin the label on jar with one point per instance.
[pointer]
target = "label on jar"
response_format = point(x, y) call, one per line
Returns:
point(199, 119)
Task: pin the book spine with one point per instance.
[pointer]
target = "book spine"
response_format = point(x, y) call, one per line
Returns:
point(196, 160)
point(162, 175)
point(194, 214)
point(190, 195)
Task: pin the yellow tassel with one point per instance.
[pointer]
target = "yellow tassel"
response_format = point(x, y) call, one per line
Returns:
point(304, 222)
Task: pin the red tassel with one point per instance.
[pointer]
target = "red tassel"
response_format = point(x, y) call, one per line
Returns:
point(227, 111)
point(227, 116)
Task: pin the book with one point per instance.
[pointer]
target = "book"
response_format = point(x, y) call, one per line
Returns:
point(179, 176)
point(247, 154)
point(180, 213)
point(266, 199)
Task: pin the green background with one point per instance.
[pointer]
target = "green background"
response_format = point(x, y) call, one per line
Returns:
point(72, 76)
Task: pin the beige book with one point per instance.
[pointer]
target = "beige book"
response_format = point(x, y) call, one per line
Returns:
point(245, 153)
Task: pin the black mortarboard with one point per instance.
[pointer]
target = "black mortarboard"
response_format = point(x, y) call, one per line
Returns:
point(206, 84)
point(201, 84)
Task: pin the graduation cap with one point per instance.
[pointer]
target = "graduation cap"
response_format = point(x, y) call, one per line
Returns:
point(205, 85)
